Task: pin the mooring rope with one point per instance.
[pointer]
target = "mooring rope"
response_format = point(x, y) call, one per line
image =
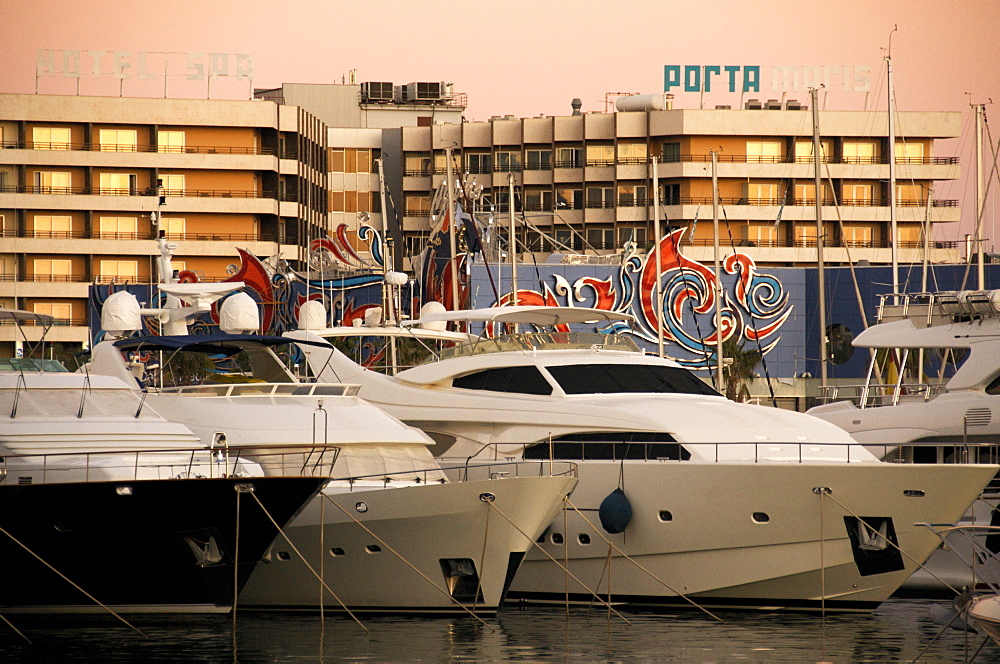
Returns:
point(550, 557)
point(306, 563)
point(236, 559)
point(19, 632)
point(482, 560)
point(829, 493)
point(67, 580)
point(408, 563)
point(637, 564)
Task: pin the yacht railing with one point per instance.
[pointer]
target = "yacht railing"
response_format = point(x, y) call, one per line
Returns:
point(255, 389)
point(880, 394)
point(463, 472)
point(138, 465)
point(534, 341)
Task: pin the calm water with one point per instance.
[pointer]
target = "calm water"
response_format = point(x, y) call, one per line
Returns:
point(898, 631)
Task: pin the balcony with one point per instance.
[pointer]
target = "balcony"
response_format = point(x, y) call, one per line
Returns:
point(107, 191)
point(776, 202)
point(104, 147)
point(181, 237)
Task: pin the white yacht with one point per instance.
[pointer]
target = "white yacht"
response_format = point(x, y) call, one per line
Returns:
point(106, 505)
point(953, 416)
point(388, 509)
point(725, 504)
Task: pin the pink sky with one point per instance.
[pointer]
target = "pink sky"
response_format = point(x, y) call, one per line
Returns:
point(528, 58)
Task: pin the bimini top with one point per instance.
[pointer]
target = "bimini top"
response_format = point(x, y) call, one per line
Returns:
point(215, 344)
point(525, 314)
point(20, 316)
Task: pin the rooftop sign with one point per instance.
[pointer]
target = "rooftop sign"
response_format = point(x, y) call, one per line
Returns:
point(749, 78)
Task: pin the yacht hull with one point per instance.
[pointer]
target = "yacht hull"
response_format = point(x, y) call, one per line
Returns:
point(444, 530)
point(132, 544)
point(750, 535)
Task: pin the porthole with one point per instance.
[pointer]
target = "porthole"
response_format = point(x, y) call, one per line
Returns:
point(913, 493)
point(284, 555)
point(361, 507)
point(373, 548)
point(761, 517)
point(665, 516)
point(336, 551)
point(583, 538)
point(557, 538)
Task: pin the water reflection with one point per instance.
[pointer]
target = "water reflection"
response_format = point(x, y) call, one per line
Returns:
point(898, 631)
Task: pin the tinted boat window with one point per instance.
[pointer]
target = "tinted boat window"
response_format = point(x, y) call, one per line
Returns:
point(610, 445)
point(520, 380)
point(611, 378)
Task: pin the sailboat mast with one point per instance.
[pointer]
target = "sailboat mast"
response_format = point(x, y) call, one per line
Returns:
point(512, 240)
point(894, 242)
point(980, 267)
point(718, 273)
point(658, 308)
point(820, 236)
point(452, 221)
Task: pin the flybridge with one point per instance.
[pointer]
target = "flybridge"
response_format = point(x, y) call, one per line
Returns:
point(748, 78)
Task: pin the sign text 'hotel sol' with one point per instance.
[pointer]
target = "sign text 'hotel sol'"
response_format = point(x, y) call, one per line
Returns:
point(748, 78)
point(142, 65)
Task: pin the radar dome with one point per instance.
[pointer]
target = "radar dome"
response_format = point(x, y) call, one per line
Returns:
point(312, 315)
point(120, 314)
point(238, 314)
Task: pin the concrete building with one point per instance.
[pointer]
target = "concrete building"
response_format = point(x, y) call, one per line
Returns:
point(585, 181)
point(88, 183)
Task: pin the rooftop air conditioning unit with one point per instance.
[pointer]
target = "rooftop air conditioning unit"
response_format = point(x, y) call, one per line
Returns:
point(423, 92)
point(376, 92)
point(793, 105)
point(773, 105)
point(753, 105)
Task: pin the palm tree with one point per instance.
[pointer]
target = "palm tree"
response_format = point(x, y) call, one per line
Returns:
point(737, 370)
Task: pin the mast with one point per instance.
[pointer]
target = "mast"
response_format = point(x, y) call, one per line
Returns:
point(512, 239)
point(894, 243)
point(658, 310)
point(718, 273)
point(820, 265)
point(452, 221)
point(980, 268)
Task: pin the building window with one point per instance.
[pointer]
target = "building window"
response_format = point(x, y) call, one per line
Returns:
point(764, 152)
point(805, 234)
point(600, 155)
point(600, 197)
point(805, 193)
point(46, 269)
point(508, 161)
point(118, 140)
point(858, 236)
point(569, 158)
point(418, 165)
point(632, 153)
point(761, 193)
point(352, 160)
point(120, 228)
point(637, 235)
point(804, 151)
point(478, 164)
point(115, 270)
point(118, 184)
point(671, 194)
point(173, 226)
point(631, 195)
point(52, 226)
point(170, 140)
point(538, 160)
point(858, 194)
point(671, 152)
point(61, 311)
point(441, 163)
point(601, 238)
point(569, 198)
point(50, 138)
point(909, 194)
point(538, 201)
point(860, 152)
point(53, 182)
point(761, 235)
point(909, 153)
point(173, 184)
point(417, 206)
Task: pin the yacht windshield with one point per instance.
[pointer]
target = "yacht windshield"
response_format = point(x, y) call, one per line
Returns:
point(615, 378)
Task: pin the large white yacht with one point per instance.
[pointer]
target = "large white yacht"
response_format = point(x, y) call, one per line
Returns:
point(725, 504)
point(948, 415)
point(105, 505)
point(390, 532)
